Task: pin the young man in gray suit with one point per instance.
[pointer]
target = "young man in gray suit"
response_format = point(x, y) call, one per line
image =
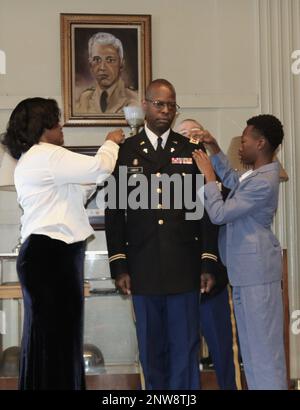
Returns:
point(248, 246)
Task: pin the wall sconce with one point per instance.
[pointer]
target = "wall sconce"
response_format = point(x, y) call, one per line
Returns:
point(135, 118)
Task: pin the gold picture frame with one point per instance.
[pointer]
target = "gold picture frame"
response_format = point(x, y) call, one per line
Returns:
point(95, 214)
point(124, 78)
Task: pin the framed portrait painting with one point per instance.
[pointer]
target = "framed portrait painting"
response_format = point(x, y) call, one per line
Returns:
point(94, 204)
point(106, 66)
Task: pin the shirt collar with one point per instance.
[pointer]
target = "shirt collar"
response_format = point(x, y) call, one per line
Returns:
point(245, 174)
point(109, 90)
point(153, 137)
point(272, 166)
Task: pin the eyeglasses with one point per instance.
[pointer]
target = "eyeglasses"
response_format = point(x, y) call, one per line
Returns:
point(160, 105)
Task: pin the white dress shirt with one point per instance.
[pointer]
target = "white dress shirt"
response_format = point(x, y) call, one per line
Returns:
point(48, 178)
point(245, 175)
point(153, 137)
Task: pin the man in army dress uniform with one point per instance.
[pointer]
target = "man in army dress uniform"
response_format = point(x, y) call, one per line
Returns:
point(109, 95)
point(157, 255)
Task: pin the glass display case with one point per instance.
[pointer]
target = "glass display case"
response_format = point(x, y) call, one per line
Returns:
point(109, 323)
point(110, 345)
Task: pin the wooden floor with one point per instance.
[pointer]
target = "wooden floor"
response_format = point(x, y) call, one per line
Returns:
point(132, 382)
point(117, 381)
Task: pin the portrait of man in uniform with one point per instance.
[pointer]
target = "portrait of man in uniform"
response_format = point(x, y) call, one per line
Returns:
point(111, 91)
point(106, 66)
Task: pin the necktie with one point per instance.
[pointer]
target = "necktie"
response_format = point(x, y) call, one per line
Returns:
point(159, 148)
point(103, 101)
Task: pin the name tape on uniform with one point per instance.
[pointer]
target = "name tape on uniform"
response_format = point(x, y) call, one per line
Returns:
point(135, 170)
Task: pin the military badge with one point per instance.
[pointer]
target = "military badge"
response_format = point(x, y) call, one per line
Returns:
point(135, 162)
point(194, 141)
point(176, 160)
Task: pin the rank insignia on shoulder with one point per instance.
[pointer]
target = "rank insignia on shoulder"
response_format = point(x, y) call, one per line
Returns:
point(194, 140)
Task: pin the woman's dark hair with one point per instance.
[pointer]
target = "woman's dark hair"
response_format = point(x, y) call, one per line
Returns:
point(269, 127)
point(27, 122)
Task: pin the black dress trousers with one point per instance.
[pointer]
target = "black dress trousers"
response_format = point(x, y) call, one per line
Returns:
point(51, 276)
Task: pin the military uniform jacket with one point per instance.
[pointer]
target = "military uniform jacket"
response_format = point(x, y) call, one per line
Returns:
point(119, 96)
point(161, 251)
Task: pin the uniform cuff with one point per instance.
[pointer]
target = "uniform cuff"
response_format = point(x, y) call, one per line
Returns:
point(209, 265)
point(118, 265)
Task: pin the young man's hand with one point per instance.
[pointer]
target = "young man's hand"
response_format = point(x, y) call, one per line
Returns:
point(206, 138)
point(204, 165)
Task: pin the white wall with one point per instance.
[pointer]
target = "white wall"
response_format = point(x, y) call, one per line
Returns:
point(192, 47)
point(213, 51)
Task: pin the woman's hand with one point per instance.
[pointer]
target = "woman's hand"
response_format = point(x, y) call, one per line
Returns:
point(116, 136)
point(204, 165)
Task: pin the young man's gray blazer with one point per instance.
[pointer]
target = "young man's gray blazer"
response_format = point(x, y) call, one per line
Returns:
point(247, 244)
